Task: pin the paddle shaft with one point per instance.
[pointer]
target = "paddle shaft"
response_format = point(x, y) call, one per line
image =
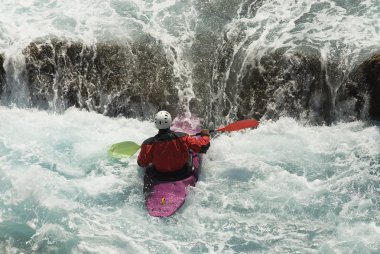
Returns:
point(239, 125)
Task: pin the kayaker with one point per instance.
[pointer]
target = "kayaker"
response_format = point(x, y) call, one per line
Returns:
point(168, 153)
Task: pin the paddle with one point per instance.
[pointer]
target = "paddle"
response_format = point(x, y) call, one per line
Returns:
point(128, 148)
point(239, 125)
point(123, 149)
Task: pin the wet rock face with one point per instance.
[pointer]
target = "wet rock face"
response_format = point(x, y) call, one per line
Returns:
point(285, 84)
point(296, 83)
point(136, 80)
point(371, 73)
point(2, 75)
point(281, 83)
point(130, 79)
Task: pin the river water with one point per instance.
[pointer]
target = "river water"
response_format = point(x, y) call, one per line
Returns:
point(285, 187)
point(281, 188)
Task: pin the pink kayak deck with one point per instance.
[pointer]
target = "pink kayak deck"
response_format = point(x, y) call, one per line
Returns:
point(165, 198)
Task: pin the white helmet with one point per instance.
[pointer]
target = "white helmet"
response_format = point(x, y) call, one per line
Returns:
point(163, 120)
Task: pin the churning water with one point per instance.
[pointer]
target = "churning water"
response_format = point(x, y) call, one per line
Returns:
point(285, 187)
point(282, 188)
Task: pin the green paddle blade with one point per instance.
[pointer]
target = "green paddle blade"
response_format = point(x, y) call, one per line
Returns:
point(123, 149)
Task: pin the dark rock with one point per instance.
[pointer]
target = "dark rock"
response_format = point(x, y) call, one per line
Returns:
point(285, 82)
point(371, 73)
point(135, 79)
point(2, 75)
point(131, 79)
point(296, 82)
point(351, 101)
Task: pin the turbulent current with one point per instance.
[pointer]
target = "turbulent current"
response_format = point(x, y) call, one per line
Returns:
point(282, 188)
point(78, 76)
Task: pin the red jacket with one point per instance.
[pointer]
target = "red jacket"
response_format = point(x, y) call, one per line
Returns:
point(169, 151)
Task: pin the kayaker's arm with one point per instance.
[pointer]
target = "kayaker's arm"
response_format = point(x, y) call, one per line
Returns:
point(204, 148)
point(199, 145)
point(145, 156)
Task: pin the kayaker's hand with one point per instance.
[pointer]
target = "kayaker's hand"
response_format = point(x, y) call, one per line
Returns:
point(205, 133)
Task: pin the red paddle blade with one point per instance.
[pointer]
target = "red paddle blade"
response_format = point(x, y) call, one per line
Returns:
point(239, 125)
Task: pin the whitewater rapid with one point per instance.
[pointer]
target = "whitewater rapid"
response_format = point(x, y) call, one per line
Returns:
point(284, 187)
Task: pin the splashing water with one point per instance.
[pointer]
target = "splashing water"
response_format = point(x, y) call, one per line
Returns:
point(283, 188)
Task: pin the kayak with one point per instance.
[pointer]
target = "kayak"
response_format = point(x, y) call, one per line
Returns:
point(166, 193)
